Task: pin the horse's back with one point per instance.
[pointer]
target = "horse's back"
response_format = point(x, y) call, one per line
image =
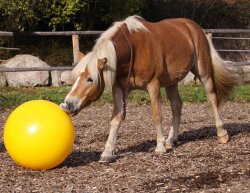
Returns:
point(173, 47)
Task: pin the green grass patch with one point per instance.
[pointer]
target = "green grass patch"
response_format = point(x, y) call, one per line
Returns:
point(12, 97)
point(242, 93)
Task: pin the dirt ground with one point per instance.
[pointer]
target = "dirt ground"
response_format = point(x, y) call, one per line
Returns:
point(197, 164)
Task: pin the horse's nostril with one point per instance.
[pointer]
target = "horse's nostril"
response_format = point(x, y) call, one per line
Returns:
point(69, 107)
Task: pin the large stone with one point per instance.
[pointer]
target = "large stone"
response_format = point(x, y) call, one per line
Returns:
point(31, 78)
point(55, 78)
point(189, 79)
point(3, 81)
point(243, 72)
point(66, 78)
point(59, 78)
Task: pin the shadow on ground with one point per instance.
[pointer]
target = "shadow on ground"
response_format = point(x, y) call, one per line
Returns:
point(78, 158)
point(192, 135)
point(208, 132)
point(2, 147)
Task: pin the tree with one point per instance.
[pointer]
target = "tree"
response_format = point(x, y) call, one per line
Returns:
point(20, 15)
point(25, 15)
point(99, 14)
point(62, 12)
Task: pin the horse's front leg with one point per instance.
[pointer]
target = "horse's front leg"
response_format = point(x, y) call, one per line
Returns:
point(154, 92)
point(117, 117)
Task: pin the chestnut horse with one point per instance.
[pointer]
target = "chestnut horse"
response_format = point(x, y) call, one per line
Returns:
point(136, 54)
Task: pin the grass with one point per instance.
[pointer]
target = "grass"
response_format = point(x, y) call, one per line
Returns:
point(12, 97)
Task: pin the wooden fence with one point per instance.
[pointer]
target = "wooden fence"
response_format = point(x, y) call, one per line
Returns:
point(76, 51)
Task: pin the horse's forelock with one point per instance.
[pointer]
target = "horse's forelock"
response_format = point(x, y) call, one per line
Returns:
point(103, 50)
point(81, 66)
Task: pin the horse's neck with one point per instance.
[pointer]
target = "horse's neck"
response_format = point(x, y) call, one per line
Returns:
point(123, 43)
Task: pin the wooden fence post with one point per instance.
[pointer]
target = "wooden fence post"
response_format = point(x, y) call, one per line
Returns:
point(76, 49)
point(77, 54)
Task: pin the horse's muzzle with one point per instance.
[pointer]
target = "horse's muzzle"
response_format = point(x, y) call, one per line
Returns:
point(69, 108)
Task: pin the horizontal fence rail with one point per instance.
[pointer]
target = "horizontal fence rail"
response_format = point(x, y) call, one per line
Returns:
point(50, 68)
point(70, 33)
point(230, 63)
point(230, 38)
point(227, 50)
point(61, 33)
point(228, 31)
point(63, 68)
point(4, 48)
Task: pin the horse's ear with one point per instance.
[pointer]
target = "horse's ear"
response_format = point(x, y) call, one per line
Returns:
point(101, 63)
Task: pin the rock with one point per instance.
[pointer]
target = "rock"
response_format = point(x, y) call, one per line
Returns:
point(55, 78)
point(66, 77)
point(33, 78)
point(3, 81)
point(189, 79)
point(245, 69)
point(243, 72)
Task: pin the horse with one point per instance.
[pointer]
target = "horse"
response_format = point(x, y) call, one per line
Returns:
point(137, 54)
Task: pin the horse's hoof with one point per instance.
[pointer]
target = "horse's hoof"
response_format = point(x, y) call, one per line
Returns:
point(160, 152)
point(224, 139)
point(169, 147)
point(106, 159)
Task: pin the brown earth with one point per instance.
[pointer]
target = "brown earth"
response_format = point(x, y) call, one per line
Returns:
point(198, 163)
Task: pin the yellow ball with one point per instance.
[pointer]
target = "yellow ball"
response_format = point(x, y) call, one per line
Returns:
point(38, 135)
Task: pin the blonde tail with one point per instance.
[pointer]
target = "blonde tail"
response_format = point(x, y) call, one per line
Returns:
point(224, 79)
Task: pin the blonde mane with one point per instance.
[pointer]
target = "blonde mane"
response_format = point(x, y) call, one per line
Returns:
point(104, 48)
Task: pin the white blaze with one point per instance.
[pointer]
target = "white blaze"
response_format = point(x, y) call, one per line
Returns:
point(75, 85)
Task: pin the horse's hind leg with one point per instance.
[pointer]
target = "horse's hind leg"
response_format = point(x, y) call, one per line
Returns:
point(154, 92)
point(221, 132)
point(176, 106)
point(207, 81)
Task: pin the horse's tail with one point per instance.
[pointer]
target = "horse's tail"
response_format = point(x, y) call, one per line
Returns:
point(224, 79)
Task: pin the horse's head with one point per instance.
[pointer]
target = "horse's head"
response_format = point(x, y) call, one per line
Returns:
point(88, 87)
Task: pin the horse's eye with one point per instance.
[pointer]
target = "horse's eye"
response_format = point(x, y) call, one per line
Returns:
point(89, 79)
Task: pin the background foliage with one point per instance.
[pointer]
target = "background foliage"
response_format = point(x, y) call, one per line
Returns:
point(26, 15)
point(66, 15)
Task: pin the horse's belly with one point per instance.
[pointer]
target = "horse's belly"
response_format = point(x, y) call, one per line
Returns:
point(178, 67)
point(173, 78)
